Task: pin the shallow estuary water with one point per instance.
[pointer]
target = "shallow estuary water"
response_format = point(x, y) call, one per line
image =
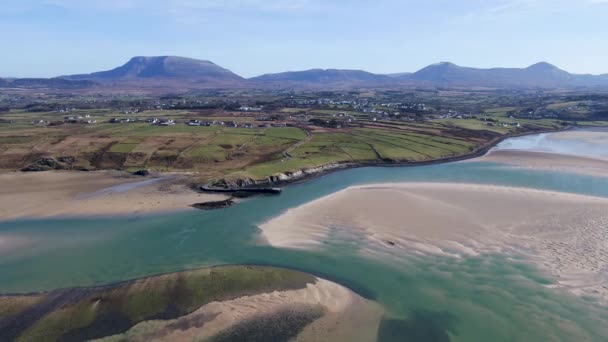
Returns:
point(489, 297)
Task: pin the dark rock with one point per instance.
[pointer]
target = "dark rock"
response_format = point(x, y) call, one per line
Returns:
point(243, 194)
point(45, 164)
point(67, 159)
point(143, 173)
point(214, 205)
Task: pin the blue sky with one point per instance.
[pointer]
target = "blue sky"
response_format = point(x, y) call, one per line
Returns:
point(252, 37)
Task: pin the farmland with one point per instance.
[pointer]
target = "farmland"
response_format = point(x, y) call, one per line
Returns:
point(291, 133)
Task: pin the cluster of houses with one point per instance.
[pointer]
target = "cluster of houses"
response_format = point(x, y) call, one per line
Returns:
point(504, 124)
point(455, 115)
point(86, 119)
point(347, 117)
point(124, 120)
point(232, 124)
point(153, 121)
point(64, 110)
point(364, 105)
point(493, 122)
point(195, 122)
point(218, 123)
point(70, 119)
point(250, 109)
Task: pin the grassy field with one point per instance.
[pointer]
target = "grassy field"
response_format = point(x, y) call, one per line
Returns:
point(219, 151)
point(593, 123)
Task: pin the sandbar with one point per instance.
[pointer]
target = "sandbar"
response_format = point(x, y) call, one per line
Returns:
point(546, 161)
point(346, 316)
point(564, 234)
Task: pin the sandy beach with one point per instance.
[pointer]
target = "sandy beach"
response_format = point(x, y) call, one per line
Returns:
point(548, 162)
point(65, 193)
point(346, 316)
point(572, 151)
point(564, 234)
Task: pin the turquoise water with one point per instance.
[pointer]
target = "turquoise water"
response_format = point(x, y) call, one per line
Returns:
point(485, 298)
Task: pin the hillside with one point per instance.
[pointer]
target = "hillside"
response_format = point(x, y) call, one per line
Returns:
point(54, 83)
point(538, 75)
point(323, 77)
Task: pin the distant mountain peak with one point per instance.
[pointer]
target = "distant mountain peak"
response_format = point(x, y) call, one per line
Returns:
point(442, 65)
point(542, 66)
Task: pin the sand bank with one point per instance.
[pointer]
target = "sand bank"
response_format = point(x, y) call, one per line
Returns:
point(565, 234)
point(63, 193)
point(548, 162)
point(346, 316)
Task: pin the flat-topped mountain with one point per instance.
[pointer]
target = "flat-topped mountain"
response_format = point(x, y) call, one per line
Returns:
point(164, 68)
point(324, 77)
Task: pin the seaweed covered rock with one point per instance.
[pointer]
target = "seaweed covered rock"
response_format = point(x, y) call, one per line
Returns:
point(214, 205)
point(46, 164)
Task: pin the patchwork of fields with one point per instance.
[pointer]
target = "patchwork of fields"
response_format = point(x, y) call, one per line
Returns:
point(258, 152)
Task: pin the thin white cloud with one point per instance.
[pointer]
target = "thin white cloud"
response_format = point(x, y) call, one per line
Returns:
point(187, 5)
point(184, 12)
point(495, 10)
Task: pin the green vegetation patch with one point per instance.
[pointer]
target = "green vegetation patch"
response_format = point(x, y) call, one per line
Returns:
point(473, 124)
point(84, 314)
point(10, 140)
point(123, 147)
point(14, 305)
point(292, 133)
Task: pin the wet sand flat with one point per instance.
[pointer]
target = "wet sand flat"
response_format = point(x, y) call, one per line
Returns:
point(54, 193)
point(548, 162)
point(565, 234)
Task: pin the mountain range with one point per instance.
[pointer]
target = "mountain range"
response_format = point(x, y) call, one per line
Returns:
point(173, 73)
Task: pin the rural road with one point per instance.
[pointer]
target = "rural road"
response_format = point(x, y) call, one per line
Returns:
point(287, 154)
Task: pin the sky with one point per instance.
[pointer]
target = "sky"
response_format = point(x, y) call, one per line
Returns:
point(44, 38)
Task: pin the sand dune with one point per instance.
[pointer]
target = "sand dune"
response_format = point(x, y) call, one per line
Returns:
point(47, 194)
point(565, 234)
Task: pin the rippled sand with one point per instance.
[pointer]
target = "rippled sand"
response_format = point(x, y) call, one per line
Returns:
point(346, 316)
point(565, 234)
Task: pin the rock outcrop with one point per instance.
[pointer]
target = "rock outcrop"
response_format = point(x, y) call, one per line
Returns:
point(49, 164)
